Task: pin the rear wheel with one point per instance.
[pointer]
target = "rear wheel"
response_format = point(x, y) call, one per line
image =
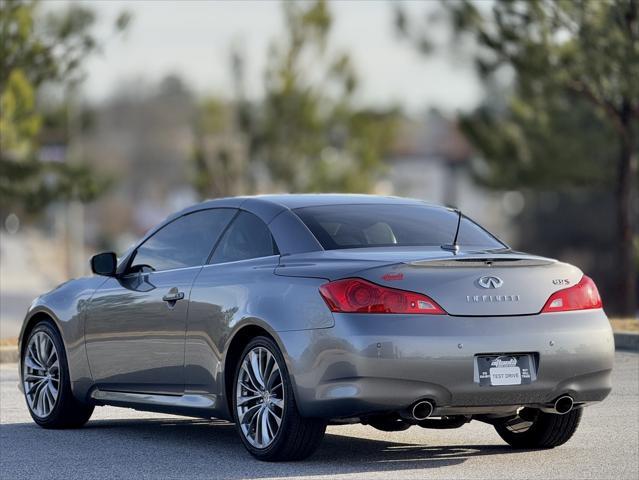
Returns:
point(542, 430)
point(46, 383)
point(266, 415)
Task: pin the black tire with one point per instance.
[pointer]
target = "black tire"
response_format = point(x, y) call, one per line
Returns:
point(548, 430)
point(298, 437)
point(68, 411)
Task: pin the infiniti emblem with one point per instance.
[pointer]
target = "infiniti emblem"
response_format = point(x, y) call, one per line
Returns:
point(490, 282)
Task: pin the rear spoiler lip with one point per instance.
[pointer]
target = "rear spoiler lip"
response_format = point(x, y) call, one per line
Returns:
point(486, 259)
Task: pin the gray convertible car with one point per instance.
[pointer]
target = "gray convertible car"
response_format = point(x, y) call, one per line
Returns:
point(286, 313)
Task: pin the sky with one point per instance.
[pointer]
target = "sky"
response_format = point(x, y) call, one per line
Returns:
point(194, 38)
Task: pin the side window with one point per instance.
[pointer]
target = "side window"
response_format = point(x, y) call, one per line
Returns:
point(247, 237)
point(185, 242)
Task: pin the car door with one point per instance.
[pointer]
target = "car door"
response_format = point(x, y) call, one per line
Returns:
point(225, 291)
point(136, 323)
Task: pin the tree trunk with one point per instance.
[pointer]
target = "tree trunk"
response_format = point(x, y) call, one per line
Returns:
point(626, 178)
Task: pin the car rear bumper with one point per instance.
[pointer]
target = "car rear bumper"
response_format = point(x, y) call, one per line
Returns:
point(376, 363)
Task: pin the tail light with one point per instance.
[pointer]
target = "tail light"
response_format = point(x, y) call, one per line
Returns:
point(583, 296)
point(355, 295)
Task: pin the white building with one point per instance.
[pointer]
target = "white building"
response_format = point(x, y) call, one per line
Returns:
point(432, 161)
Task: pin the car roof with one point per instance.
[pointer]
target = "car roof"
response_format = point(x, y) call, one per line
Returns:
point(302, 200)
point(290, 233)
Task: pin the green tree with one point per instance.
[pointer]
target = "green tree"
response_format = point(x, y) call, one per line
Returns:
point(38, 49)
point(573, 115)
point(219, 159)
point(309, 134)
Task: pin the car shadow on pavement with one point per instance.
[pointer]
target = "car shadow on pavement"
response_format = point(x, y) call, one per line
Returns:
point(168, 448)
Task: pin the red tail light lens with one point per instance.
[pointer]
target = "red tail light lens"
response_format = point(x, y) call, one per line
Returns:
point(355, 295)
point(583, 296)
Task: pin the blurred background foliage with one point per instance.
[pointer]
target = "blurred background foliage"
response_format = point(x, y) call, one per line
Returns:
point(35, 51)
point(572, 117)
point(306, 132)
point(547, 158)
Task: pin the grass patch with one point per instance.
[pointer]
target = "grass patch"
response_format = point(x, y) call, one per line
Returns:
point(8, 342)
point(625, 324)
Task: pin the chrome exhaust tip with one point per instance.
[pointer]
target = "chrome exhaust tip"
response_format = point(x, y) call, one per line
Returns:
point(422, 410)
point(563, 404)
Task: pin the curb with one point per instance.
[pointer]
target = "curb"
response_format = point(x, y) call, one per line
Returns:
point(627, 341)
point(8, 354)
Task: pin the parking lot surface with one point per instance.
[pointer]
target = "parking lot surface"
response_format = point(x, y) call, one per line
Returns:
point(122, 443)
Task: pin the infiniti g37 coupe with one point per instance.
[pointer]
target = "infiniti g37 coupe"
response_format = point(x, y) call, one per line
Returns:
point(286, 313)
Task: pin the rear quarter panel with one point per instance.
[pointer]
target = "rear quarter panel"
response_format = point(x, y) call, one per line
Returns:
point(227, 297)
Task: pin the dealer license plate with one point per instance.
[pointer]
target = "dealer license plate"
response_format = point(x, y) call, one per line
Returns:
point(498, 370)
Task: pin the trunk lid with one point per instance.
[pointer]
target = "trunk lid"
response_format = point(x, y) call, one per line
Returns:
point(481, 285)
point(468, 283)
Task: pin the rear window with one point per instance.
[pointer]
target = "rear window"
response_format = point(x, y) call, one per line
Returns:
point(359, 226)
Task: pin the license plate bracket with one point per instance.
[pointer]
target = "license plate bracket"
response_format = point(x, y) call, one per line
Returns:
point(504, 369)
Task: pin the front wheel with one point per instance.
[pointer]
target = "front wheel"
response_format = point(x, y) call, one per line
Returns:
point(46, 382)
point(266, 415)
point(542, 430)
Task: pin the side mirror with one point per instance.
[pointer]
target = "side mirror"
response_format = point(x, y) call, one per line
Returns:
point(104, 264)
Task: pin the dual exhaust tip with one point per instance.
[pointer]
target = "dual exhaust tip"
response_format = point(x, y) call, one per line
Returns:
point(423, 409)
point(563, 404)
point(560, 406)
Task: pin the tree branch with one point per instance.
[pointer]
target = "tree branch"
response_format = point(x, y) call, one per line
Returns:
point(608, 108)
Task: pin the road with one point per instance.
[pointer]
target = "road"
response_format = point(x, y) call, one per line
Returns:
point(121, 443)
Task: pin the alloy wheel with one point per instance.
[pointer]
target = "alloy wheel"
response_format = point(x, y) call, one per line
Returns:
point(41, 374)
point(260, 397)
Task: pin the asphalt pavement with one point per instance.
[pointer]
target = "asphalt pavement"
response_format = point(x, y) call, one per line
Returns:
point(122, 443)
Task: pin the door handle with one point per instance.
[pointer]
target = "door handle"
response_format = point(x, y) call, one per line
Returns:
point(173, 297)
